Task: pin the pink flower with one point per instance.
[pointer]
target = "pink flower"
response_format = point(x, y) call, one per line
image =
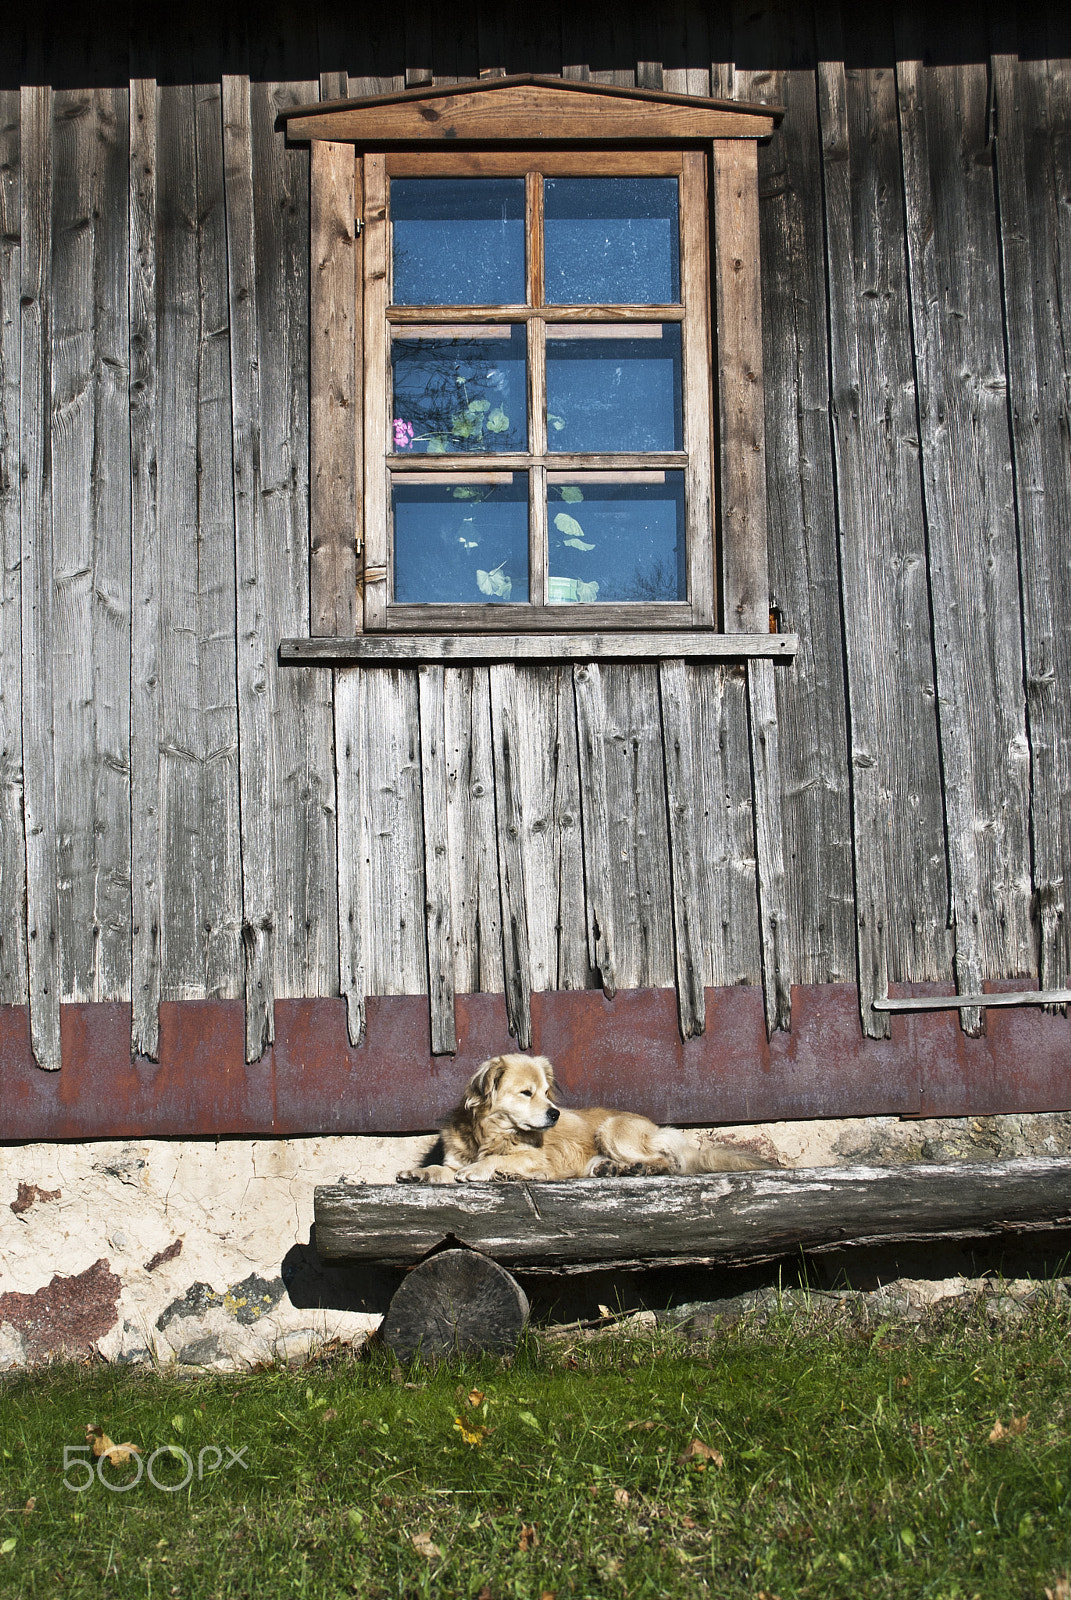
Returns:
point(403, 434)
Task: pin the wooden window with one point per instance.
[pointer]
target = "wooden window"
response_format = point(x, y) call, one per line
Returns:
point(516, 353)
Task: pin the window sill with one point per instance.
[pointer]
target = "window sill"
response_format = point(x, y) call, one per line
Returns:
point(371, 649)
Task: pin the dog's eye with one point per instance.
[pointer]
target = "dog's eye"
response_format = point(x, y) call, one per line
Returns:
point(528, 1092)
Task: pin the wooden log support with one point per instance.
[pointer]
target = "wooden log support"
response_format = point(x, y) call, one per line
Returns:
point(714, 1219)
point(457, 1303)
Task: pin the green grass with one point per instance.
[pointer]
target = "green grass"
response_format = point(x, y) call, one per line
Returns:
point(855, 1462)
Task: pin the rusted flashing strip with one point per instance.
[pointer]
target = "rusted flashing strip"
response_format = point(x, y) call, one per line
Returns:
point(626, 1052)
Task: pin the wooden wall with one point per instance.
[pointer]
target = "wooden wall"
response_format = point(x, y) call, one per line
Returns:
point(181, 818)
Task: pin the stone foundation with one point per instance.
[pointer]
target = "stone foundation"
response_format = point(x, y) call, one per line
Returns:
point(202, 1252)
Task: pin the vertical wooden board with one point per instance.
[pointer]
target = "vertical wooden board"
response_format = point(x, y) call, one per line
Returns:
point(590, 701)
point(199, 861)
point(392, 833)
point(679, 756)
point(1033, 147)
point(509, 818)
point(745, 584)
point(353, 894)
point(37, 565)
point(953, 263)
point(574, 967)
point(146, 764)
point(725, 826)
point(636, 822)
point(333, 392)
point(375, 246)
point(898, 815)
point(437, 907)
point(222, 865)
point(801, 531)
point(539, 751)
point(257, 710)
point(306, 928)
point(91, 516)
point(475, 901)
point(763, 735)
point(13, 989)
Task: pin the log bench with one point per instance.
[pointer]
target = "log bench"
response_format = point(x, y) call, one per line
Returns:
point(463, 1239)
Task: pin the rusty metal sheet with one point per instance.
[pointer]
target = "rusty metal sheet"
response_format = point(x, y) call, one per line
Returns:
point(621, 1052)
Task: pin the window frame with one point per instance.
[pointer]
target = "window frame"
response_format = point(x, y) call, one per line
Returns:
point(495, 116)
point(695, 459)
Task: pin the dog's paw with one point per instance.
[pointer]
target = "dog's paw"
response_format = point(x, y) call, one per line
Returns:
point(412, 1175)
point(431, 1174)
point(478, 1172)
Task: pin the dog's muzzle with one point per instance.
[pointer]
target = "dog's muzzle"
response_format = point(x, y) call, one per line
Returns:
point(552, 1116)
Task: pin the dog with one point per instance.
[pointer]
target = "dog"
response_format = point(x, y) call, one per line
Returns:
point(508, 1126)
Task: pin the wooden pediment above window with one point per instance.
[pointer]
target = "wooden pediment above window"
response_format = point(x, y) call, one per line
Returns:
point(527, 110)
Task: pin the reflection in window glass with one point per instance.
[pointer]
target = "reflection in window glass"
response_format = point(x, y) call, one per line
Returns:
point(457, 241)
point(460, 541)
point(617, 540)
point(612, 241)
point(614, 387)
point(463, 394)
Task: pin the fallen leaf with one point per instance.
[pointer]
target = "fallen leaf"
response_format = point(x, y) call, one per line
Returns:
point(646, 1426)
point(621, 1497)
point(485, 1592)
point(700, 1453)
point(28, 1507)
point(529, 1536)
point(117, 1454)
point(422, 1544)
point(548, 1594)
point(529, 1421)
point(330, 1414)
point(475, 1398)
point(1062, 1591)
point(475, 1434)
point(1016, 1425)
point(686, 1522)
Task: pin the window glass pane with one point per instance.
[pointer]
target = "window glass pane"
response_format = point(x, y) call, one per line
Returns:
point(616, 536)
point(458, 241)
point(460, 541)
point(611, 241)
point(611, 387)
point(465, 392)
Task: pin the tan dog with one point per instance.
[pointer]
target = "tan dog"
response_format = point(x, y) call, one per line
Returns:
point(508, 1127)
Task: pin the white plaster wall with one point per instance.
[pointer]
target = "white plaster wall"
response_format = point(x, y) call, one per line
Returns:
point(242, 1284)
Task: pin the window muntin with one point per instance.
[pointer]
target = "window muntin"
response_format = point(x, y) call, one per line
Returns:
point(617, 396)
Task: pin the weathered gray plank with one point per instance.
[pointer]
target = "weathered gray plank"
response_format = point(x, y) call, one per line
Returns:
point(1033, 148)
point(466, 649)
point(391, 835)
point(594, 805)
point(13, 989)
point(898, 817)
point(198, 860)
point(303, 800)
point(352, 865)
point(953, 264)
point(801, 533)
point(335, 391)
point(253, 621)
point(636, 826)
point(475, 901)
point(145, 690)
point(725, 827)
point(680, 767)
point(506, 726)
point(438, 911)
point(90, 427)
point(567, 1227)
point(763, 737)
point(574, 968)
point(37, 561)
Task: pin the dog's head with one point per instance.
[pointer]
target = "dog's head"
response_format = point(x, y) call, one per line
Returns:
point(517, 1088)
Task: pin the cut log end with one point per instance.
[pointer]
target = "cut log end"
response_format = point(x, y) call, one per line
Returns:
point(456, 1303)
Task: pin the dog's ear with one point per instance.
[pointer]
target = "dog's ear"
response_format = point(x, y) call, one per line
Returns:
point(548, 1070)
point(484, 1083)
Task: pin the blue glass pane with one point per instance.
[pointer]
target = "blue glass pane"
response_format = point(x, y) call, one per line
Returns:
point(612, 388)
point(457, 542)
point(617, 541)
point(458, 241)
point(612, 241)
point(459, 394)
